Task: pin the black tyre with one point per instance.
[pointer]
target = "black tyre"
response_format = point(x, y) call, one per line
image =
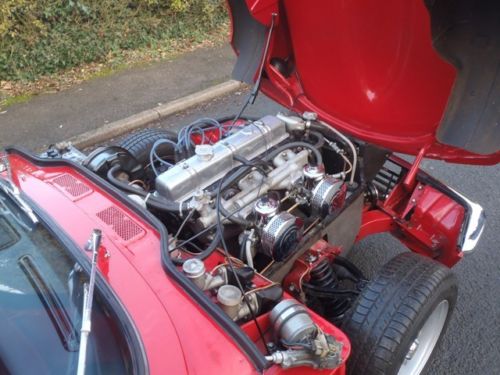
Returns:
point(139, 144)
point(400, 317)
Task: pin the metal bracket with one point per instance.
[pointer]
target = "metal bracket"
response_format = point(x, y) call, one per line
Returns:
point(411, 177)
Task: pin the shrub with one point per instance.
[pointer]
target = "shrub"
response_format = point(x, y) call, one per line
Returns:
point(43, 36)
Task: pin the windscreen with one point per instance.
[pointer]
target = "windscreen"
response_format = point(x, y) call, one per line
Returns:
point(41, 297)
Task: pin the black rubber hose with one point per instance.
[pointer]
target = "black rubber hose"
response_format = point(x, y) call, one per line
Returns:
point(205, 253)
point(242, 254)
point(326, 132)
point(235, 176)
point(320, 139)
point(233, 219)
point(266, 158)
point(152, 202)
point(256, 162)
point(231, 118)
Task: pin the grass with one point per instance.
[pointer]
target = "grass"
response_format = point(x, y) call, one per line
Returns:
point(16, 99)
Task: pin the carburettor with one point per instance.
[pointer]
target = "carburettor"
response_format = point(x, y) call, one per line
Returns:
point(281, 231)
point(327, 193)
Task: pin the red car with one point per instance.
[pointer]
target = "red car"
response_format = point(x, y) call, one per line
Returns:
point(221, 248)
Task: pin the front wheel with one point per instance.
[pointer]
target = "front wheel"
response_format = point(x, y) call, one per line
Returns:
point(139, 144)
point(399, 318)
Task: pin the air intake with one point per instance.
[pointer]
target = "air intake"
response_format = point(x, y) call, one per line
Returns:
point(70, 185)
point(121, 224)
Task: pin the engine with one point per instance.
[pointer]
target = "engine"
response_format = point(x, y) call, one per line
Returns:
point(267, 177)
point(244, 201)
point(262, 187)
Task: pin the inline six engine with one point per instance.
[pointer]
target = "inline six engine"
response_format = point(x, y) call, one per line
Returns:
point(262, 187)
point(265, 176)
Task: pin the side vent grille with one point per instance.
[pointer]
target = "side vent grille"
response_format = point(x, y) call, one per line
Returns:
point(121, 224)
point(70, 185)
point(388, 176)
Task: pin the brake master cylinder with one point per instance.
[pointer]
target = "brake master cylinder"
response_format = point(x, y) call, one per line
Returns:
point(303, 342)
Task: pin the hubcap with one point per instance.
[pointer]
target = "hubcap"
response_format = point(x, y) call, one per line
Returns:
point(422, 346)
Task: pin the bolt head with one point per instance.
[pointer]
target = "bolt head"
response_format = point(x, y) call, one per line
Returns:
point(311, 258)
point(271, 346)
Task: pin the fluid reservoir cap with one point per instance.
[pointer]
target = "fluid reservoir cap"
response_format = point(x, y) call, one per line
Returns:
point(314, 172)
point(266, 207)
point(229, 295)
point(310, 116)
point(193, 268)
point(204, 152)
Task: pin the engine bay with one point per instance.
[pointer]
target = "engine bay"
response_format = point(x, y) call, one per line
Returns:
point(256, 218)
point(253, 207)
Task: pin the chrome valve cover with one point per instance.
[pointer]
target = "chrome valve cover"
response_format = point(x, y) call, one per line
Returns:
point(213, 161)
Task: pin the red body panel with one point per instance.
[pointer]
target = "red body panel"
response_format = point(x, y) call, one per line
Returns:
point(178, 337)
point(366, 67)
point(424, 219)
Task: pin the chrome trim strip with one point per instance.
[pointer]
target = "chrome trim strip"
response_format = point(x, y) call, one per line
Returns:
point(473, 226)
